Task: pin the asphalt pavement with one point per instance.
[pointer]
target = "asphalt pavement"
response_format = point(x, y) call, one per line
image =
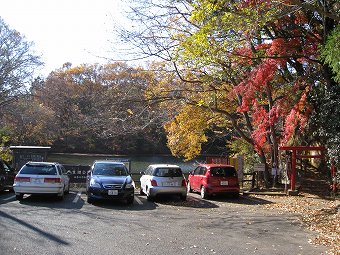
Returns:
point(43, 225)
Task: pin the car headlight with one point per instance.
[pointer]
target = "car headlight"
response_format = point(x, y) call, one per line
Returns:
point(130, 185)
point(94, 184)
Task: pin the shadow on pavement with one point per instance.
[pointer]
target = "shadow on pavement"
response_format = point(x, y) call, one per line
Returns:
point(243, 200)
point(139, 204)
point(49, 236)
point(195, 201)
point(191, 202)
point(6, 196)
point(70, 201)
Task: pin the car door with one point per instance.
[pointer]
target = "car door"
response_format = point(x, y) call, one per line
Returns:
point(202, 177)
point(6, 176)
point(9, 175)
point(195, 179)
point(2, 177)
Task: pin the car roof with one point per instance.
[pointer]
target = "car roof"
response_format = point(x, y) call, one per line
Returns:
point(42, 163)
point(216, 165)
point(163, 165)
point(109, 161)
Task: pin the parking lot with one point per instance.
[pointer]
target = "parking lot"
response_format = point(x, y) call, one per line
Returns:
point(44, 225)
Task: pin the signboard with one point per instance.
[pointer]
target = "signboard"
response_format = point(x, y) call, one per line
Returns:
point(259, 167)
point(78, 173)
point(24, 154)
point(217, 160)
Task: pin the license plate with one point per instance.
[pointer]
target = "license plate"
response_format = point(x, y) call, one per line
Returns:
point(169, 184)
point(224, 183)
point(113, 192)
point(36, 180)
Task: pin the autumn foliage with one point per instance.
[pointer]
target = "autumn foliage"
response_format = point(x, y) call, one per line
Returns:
point(253, 63)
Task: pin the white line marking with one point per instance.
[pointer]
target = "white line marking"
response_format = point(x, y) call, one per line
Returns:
point(75, 200)
point(138, 200)
point(8, 198)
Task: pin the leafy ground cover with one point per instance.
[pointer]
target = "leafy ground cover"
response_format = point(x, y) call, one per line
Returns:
point(320, 215)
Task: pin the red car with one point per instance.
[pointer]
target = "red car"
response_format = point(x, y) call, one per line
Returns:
point(212, 179)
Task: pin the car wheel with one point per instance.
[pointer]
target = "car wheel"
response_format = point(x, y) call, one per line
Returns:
point(204, 194)
point(141, 192)
point(129, 200)
point(183, 197)
point(236, 195)
point(19, 197)
point(189, 187)
point(60, 197)
point(89, 199)
point(67, 191)
point(148, 195)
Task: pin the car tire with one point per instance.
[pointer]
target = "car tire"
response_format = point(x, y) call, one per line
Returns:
point(19, 197)
point(183, 197)
point(129, 201)
point(141, 192)
point(60, 197)
point(67, 191)
point(204, 194)
point(89, 200)
point(189, 187)
point(148, 195)
point(236, 195)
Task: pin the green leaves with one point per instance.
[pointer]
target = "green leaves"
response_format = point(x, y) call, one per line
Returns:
point(330, 52)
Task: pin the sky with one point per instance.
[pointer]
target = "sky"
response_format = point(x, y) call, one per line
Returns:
point(75, 31)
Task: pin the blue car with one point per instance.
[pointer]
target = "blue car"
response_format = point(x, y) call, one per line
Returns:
point(109, 180)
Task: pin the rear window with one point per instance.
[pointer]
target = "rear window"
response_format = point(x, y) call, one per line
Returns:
point(223, 172)
point(110, 169)
point(39, 169)
point(168, 172)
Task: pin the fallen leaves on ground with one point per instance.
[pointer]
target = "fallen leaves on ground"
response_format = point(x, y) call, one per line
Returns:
point(321, 216)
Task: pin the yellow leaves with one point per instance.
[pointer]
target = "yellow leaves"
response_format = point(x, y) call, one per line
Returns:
point(76, 70)
point(186, 132)
point(200, 103)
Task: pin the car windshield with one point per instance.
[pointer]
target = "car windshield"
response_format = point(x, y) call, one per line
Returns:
point(168, 172)
point(223, 172)
point(110, 169)
point(39, 169)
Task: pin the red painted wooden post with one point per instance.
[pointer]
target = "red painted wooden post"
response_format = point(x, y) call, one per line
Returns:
point(293, 177)
point(294, 149)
